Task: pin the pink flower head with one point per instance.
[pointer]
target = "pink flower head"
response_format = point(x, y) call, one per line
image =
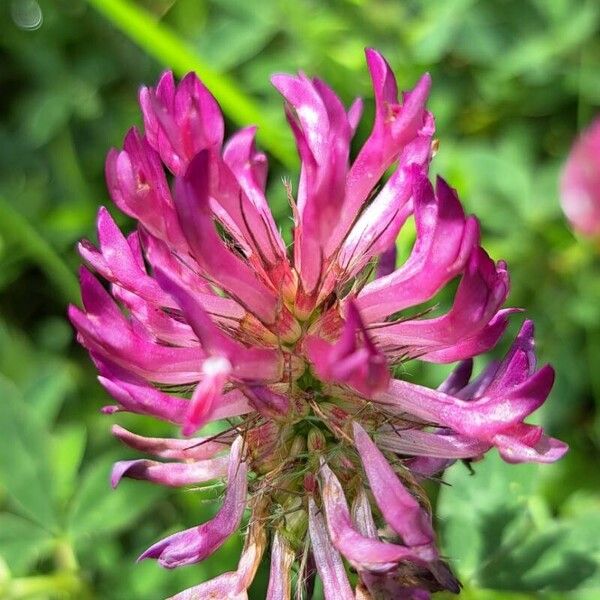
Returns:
point(207, 316)
point(580, 183)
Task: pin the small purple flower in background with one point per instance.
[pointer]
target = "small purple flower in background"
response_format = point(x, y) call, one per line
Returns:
point(209, 317)
point(580, 183)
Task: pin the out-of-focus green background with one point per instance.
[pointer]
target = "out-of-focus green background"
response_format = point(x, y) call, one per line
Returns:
point(514, 80)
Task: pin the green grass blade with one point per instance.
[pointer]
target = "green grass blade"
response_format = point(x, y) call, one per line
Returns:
point(17, 228)
point(164, 45)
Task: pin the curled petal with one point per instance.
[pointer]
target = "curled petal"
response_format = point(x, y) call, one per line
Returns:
point(170, 474)
point(192, 197)
point(253, 363)
point(135, 395)
point(363, 552)
point(177, 449)
point(432, 444)
point(353, 359)
point(232, 585)
point(458, 378)
point(328, 561)
point(161, 324)
point(395, 126)
point(444, 243)
point(518, 364)
point(246, 200)
point(481, 292)
point(322, 130)
point(480, 342)
point(138, 186)
point(208, 392)
point(485, 418)
point(105, 331)
point(527, 443)
point(377, 228)
point(280, 578)
point(195, 544)
point(117, 262)
point(181, 120)
point(399, 508)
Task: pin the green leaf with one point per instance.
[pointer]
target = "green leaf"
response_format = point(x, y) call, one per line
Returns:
point(21, 542)
point(497, 529)
point(68, 446)
point(48, 387)
point(98, 510)
point(24, 468)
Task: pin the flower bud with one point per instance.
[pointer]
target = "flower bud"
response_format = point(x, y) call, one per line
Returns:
point(580, 183)
point(316, 441)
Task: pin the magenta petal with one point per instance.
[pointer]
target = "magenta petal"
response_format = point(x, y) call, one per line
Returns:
point(181, 120)
point(117, 262)
point(484, 418)
point(135, 395)
point(268, 403)
point(426, 443)
point(220, 264)
point(482, 341)
point(580, 183)
point(518, 364)
point(195, 544)
point(322, 130)
point(394, 127)
point(363, 552)
point(170, 474)
point(399, 508)
point(528, 443)
point(387, 262)
point(218, 588)
point(280, 578)
point(138, 186)
point(377, 227)
point(232, 585)
point(104, 330)
point(177, 449)
point(424, 467)
point(329, 562)
point(445, 240)
point(353, 360)
point(208, 392)
point(254, 363)
point(248, 204)
point(463, 330)
point(458, 378)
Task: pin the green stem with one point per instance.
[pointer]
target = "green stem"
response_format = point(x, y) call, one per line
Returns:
point(67, 168)
point(17, 228)
point(64, 556)
point(159, 41)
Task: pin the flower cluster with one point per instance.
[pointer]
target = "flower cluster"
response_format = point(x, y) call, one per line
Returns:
point(580, 183)
point(298, 353)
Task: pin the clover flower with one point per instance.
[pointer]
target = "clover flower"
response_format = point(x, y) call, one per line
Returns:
point(580, 183)
point(210, 318)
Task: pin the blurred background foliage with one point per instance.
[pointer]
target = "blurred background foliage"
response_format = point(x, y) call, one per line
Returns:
point(514, 80)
